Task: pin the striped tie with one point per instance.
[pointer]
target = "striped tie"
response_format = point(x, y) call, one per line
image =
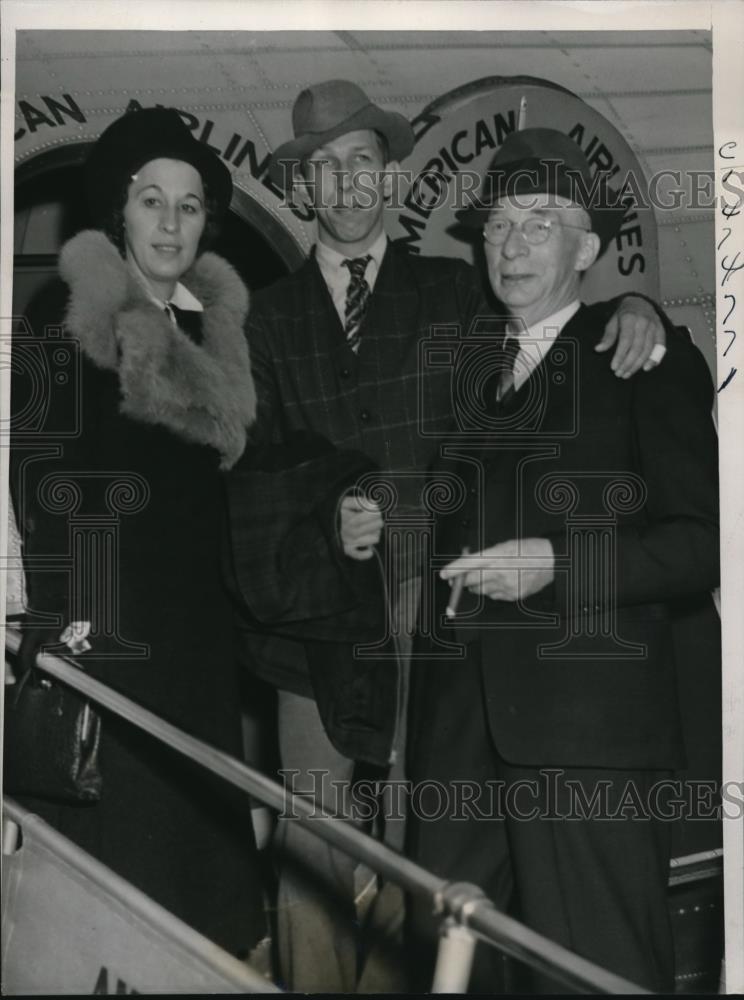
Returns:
point(357, 297)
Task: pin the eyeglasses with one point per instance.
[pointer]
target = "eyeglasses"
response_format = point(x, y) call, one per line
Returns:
point(534, 231)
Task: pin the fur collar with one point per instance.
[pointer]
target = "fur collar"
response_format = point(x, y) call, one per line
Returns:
point(204, 393)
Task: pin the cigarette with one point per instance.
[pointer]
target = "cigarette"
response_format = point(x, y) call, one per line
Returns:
point(456, 592)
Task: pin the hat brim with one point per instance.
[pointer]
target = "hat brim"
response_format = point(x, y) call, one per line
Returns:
point(605, 219)
point(396, 129)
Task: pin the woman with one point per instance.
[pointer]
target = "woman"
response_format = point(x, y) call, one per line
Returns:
point(164, 398)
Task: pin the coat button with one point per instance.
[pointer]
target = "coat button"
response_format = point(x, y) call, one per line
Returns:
point(365, 415)
point(345, 373)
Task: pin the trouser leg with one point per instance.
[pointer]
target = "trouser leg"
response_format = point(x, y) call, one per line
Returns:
point(317, 912)
point(454, 826)
point(593, 883)
point(317, 940)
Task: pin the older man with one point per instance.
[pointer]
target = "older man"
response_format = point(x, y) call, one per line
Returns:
point(593, 526)
point(335, 350)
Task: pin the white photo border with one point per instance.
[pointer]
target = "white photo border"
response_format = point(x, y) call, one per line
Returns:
point(724, 17)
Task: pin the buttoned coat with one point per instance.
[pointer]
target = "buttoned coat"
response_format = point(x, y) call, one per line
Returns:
point(621, 476)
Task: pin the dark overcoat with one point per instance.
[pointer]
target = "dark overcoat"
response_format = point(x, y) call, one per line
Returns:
point(622, 477)
point(126, 455)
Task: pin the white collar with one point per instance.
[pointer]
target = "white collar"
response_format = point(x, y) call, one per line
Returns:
point(330, 259)
point(181, 298)
point(547, 329)
point(337, 277)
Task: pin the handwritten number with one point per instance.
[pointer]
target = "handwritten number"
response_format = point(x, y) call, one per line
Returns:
point(727, 265)
point(731, 268)
point(729, 211)
point(728, 295)
point(727, 379)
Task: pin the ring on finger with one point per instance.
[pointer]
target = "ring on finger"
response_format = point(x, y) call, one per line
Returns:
point(657, 353)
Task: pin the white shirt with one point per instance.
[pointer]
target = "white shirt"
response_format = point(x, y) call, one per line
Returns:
point(337, 277)
point(182, 298)
point(537, 341)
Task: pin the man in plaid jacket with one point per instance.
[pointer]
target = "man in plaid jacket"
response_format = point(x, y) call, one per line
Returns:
point(335, 349)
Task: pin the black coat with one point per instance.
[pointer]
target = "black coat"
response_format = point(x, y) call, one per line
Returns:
point(598, 703)
point(136, 437)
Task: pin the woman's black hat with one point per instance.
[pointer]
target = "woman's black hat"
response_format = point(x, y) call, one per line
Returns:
point(138, 137)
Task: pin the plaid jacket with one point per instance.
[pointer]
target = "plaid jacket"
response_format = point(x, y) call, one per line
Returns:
point(391, 402)
point(382, 402)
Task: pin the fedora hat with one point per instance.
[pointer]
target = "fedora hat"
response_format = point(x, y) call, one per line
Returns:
point(327, 110)
point(138, 137)
point(545, 161)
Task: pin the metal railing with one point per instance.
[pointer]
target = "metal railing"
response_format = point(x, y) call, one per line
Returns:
point(466, 913)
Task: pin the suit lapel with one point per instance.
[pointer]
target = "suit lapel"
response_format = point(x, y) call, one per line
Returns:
point(321, 320)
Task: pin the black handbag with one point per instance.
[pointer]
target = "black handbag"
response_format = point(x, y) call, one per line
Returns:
point(51, 741)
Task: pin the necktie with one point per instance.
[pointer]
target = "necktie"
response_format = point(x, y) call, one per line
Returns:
point(357, 297)
point(505, 387)
point(188, 321)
